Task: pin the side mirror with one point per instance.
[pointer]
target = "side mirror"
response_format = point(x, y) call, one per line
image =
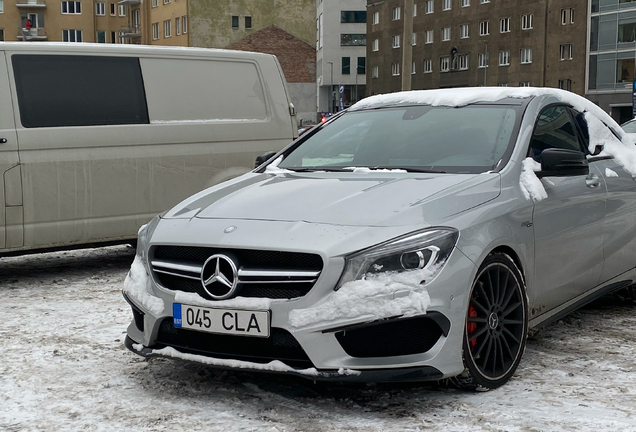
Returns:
point(557, 162)
point(260, 160)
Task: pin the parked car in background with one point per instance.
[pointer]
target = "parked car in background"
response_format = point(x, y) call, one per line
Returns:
point(96, 139)
point(416, 236)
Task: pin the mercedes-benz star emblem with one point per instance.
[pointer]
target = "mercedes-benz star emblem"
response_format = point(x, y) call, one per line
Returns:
point(219, 276)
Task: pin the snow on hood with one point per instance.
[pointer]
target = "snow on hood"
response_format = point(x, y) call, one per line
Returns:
point(374, 297)
point(352, 199)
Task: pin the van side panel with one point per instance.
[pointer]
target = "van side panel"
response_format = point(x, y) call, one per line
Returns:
point(10, 186)
point(94, 183)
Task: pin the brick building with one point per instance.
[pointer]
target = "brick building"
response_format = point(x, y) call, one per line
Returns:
point(426, 44)
point(298, 61)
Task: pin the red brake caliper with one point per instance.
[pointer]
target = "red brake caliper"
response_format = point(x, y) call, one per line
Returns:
point(471, 326)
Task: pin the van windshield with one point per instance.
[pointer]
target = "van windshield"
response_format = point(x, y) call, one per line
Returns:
point(470, 139)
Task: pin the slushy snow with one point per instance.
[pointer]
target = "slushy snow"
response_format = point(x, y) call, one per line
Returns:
point(136, 288)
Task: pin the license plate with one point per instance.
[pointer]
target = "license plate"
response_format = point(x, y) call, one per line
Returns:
point(224, 321)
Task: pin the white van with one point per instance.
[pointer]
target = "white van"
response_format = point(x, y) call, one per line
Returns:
point(96, 139)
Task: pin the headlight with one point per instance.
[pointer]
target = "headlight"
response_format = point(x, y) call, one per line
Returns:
point(143, 236)
point(426, 249)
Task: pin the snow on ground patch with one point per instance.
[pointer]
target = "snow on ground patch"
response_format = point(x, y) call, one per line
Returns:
point(136, 288)
point(376, 296)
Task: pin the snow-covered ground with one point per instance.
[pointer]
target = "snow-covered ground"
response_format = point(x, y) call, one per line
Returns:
point(64, 367)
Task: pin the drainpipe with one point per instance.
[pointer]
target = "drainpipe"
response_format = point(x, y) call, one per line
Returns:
point(407, 48)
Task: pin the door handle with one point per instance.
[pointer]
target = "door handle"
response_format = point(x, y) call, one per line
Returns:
point(3, 140)
point(592, 181)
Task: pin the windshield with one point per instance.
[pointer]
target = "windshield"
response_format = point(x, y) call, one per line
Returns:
point(630, 126)
point(470, 139)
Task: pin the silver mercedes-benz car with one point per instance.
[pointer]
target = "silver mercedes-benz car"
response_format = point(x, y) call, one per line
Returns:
point(415, 236)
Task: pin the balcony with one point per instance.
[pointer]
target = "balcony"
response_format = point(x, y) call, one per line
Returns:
point(34, 34)
point(130, 31)
point(31, 4)
point(129, 2)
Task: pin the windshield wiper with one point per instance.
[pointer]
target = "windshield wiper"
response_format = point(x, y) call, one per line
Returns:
point(408, 168)
point(314, 169)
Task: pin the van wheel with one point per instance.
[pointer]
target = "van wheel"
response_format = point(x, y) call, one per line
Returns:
point(496, 325)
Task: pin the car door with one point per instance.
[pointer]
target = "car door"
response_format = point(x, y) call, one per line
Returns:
point(619, 234)
point(568, 224)
point(10, 185)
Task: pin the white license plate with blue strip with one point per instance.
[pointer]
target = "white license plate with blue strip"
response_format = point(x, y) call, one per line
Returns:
point(224, 321)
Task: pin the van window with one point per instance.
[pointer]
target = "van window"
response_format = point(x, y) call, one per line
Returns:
point(63, 90)
point(203, 90)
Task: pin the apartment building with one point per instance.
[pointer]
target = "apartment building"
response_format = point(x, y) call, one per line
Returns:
point(612, 50)
point(427, 44)
point(341, 53)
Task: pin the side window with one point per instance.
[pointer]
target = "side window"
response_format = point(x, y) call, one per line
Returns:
point(64, 90)
point(554, 129)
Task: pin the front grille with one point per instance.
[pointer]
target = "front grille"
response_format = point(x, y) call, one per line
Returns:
point(391, 338)
point(262, 274)
point(281, 345)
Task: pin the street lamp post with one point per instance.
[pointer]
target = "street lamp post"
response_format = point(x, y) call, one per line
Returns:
point(331, 88)
point(486, 60)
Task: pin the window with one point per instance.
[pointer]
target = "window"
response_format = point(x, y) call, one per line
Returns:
point(100, 9)
point(462, 62)
point(483, 60)
point(446, 5)
point(502, 85)
point(155, 3)
point(396, 13)
point(444, 64)
point(395, 69)
point(2, 11)
point(428, 7)
point(71, 7)
point(571, 15)
point(414, 9)
point(177, 25)
point(414, 39)
point(526, 22)
point(396, 41)
point(465, 3)
point(376, 17)
point(45, 100)
point(428, 36)
point(167, 28)
point(504, 58)
point(375, 45)
point(484, 1)
point(362, 66)
point(184, 24)
point(136, 18)
point(374, 72)
point(567, 16)
point(353, 39)
point(627, 30)
point(446, 34)
point(71, 35)
point(565, 84)
point(235, 21)
point(463, 31)
point(412, 68)
point(504, 25)
point(113, 9)
point(248, 22)
point(353, 17)
point(524, 84)
point(428, 66)
point(484, 28)
point(346, 66)
point(625, 70)
point(526, 55)
point(155, 31)
point(554, 129)
point(566, 52)
point(113, 37)
point(100, 36)
point(122, 10)
point(166, 1)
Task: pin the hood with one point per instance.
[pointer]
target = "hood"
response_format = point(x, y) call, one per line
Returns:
point(353, 199)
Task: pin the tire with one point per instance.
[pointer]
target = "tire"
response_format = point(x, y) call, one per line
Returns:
point(496, 326)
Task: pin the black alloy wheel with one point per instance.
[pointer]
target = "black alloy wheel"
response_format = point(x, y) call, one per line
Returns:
point(496, 325)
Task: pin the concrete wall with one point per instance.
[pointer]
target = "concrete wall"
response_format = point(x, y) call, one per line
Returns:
point(211, 25)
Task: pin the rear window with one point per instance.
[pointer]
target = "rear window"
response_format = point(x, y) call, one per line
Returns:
point(62, 90)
